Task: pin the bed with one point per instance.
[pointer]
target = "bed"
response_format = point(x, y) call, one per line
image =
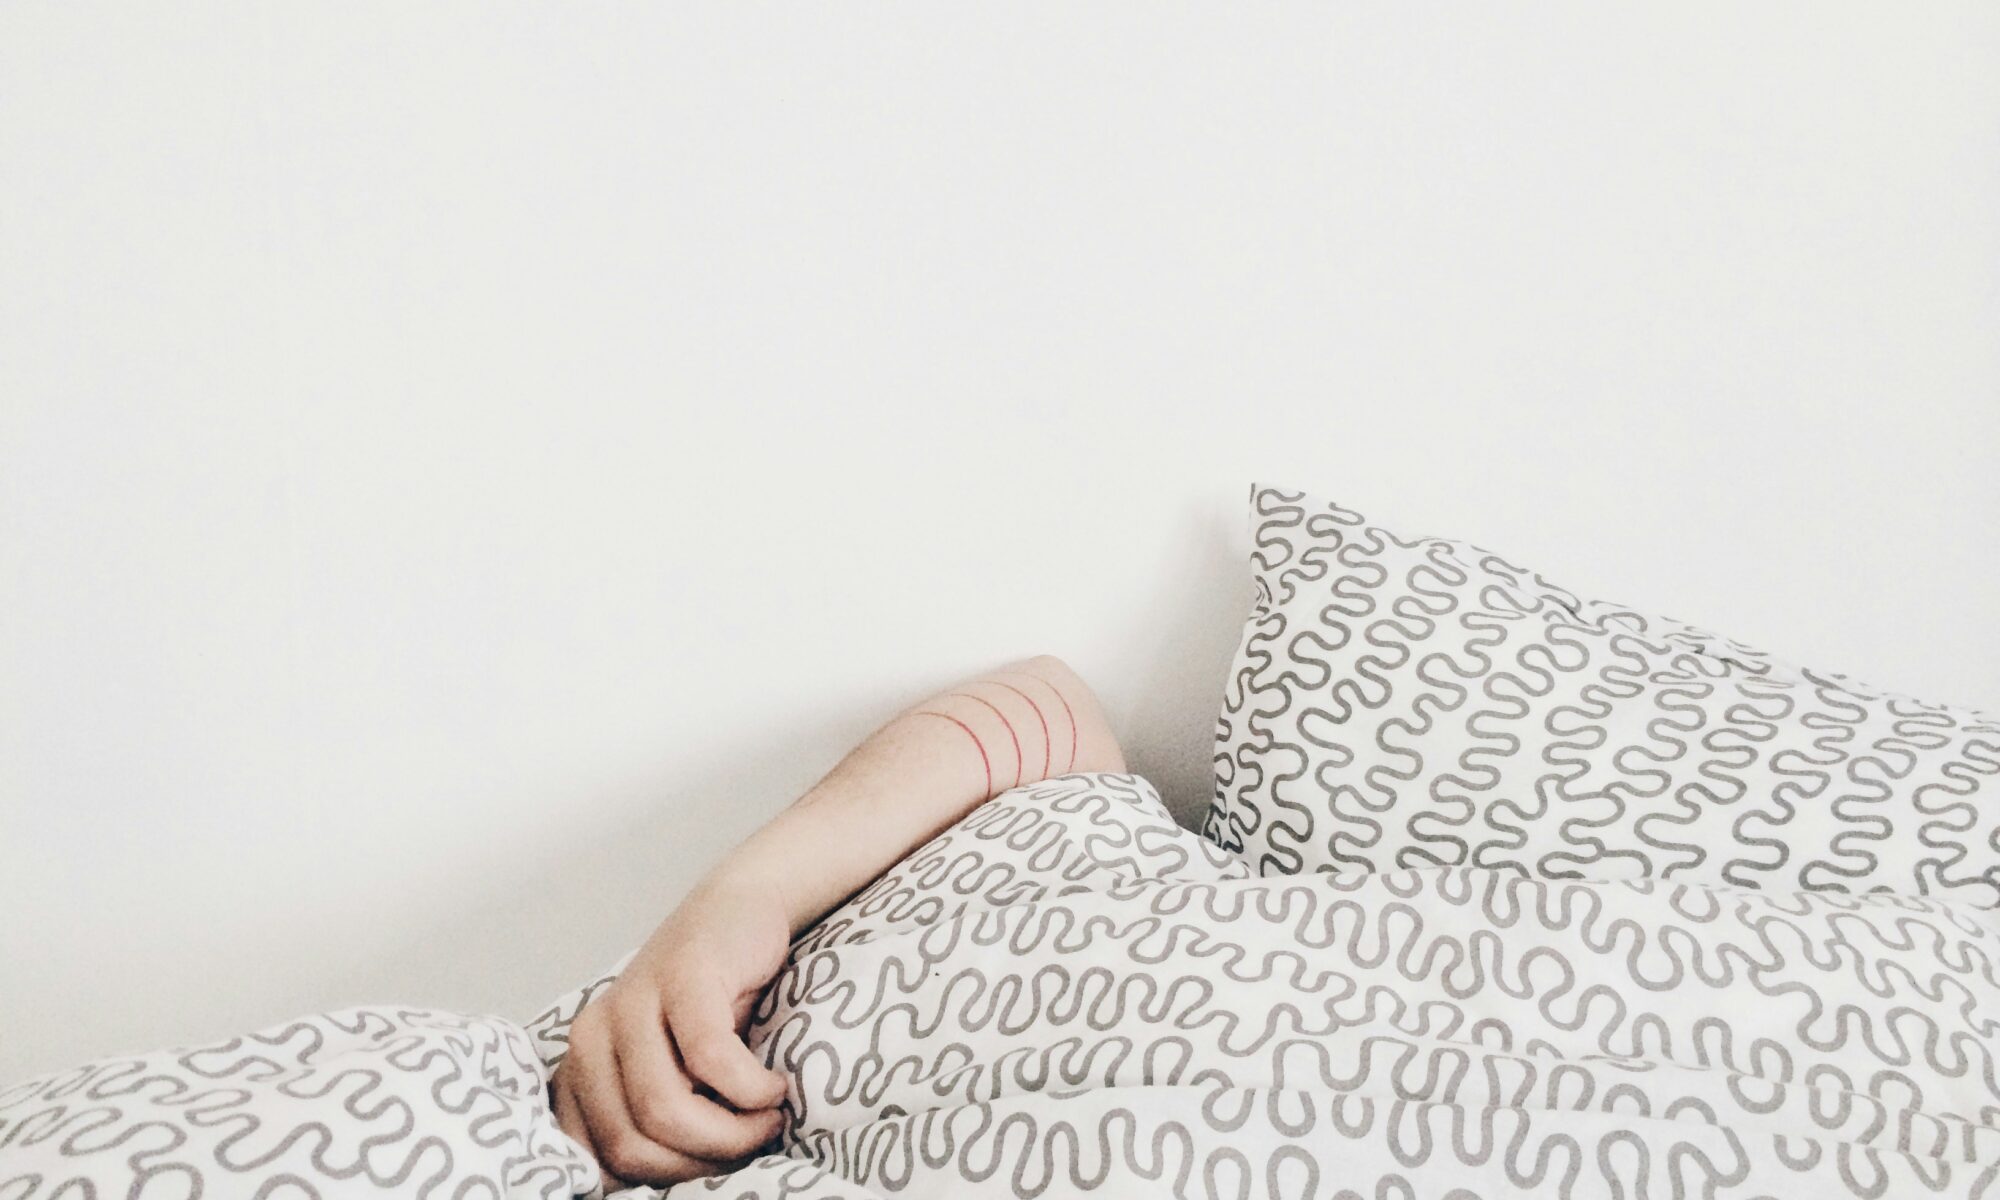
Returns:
point(1504, 893)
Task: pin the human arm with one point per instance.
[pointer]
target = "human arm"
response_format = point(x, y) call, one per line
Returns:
point(658, 1082)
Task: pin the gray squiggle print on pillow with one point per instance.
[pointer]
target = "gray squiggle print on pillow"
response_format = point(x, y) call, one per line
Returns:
point(1410, 702)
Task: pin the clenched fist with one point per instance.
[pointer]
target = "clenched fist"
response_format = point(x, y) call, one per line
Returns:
point(658, 1083)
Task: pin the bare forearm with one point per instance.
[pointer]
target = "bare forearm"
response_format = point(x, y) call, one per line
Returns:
point(658, 1081)
point(916, 775)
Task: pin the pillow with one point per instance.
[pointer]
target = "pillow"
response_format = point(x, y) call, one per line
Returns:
point(1407, 702)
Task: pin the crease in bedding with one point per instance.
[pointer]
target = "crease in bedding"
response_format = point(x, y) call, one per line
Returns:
point(1067, 993)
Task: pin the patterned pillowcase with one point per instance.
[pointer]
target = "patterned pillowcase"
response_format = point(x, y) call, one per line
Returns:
point(1404, 702)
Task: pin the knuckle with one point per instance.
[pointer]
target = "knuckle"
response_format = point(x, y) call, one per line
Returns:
point(704, 1056)
point(626, 1154)
point(675, 997)
point(657, 1109)
point(632, 1004)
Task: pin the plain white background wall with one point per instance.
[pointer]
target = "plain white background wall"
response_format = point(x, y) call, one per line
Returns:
point(461, 467)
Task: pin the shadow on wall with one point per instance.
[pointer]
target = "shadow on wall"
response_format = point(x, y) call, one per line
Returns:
point(521, 932)
point(1176, 674)
point(579, 903)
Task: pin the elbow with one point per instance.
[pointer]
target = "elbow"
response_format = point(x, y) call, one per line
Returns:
point(1097, 749)
point(1050, 666)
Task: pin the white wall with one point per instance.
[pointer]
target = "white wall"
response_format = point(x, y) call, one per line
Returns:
point(462, 467)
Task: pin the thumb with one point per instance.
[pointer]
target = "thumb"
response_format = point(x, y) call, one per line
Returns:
point(703, 1022)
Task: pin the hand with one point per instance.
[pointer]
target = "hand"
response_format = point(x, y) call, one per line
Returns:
point(658, 1083)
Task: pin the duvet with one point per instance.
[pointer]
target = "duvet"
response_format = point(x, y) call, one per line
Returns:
point(1067, 993)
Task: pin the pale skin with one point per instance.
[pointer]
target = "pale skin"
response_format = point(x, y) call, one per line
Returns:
point(658, 1082)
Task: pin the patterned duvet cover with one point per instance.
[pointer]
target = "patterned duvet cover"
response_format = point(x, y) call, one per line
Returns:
point(1066, 993)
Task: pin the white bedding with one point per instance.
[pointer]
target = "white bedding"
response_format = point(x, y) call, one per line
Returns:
point(1066, 993)
point(1417, 701)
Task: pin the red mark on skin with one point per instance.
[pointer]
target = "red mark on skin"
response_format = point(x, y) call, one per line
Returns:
point(984, 762)
point(1072, 728)
point(1060, 699)
point(1046, 747)
point(1018, 764)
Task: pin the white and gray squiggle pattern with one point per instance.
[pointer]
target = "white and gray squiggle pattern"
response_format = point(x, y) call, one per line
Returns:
point(1412, 702)
point(366, 1101)
point(1065, 994)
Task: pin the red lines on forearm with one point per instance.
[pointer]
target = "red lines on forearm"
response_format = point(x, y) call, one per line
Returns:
point(1072, 728)
point(1019, 764)
point(985, 763)
point(1044, 717)
point(1068, 715)
point(1038, 717)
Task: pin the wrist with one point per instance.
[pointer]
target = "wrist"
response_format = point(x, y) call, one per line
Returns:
point(734, 893)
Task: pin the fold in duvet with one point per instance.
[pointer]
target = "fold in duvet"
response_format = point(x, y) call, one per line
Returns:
point(1067, 993)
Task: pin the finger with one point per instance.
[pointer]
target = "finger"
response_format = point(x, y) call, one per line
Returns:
point(567, 1117)
point(663, 1101)
point(617, 1142)
point(570, 1119)
point(702, 1021)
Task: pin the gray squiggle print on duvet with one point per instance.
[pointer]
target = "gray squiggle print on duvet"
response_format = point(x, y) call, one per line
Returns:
point(1066, 993)
point(377, 1101)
